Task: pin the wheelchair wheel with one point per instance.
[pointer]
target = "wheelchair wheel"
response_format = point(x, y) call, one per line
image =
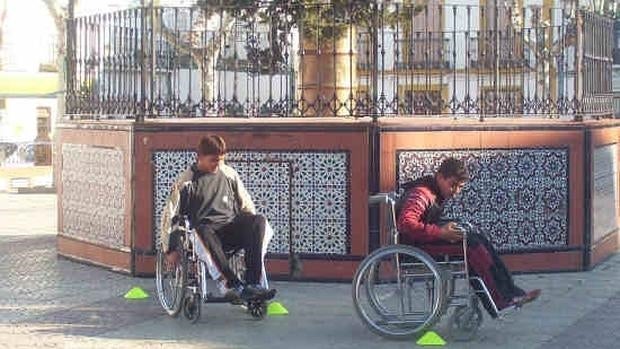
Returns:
point(465, 321)
point(257, 308)
point(192, 307)
point(398, 291)
point(170, 282)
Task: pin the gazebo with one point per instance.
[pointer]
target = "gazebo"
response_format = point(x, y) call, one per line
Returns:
point(324, 104)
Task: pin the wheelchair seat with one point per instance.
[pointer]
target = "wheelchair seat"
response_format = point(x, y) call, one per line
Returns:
point(442, 249)
point(438, 249)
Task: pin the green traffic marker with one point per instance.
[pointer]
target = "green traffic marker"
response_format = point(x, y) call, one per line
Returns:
point(431, 338)
point(136, 293)
point(276, 308)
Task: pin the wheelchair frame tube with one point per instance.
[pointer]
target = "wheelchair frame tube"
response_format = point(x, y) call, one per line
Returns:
point(488, 294)
point(202, 269)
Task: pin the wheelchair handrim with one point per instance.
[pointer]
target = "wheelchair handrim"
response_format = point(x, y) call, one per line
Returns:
point(171, 306)
point(367, 266)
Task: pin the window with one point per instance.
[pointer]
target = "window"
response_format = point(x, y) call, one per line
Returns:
point(498, 36)
point(507, 100)
point(364, 51)
point(422, 42)
point(421, 100)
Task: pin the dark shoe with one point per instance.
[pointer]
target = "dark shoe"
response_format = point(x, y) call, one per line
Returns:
point(234, 297)
point(528, 297)
point(251, 292)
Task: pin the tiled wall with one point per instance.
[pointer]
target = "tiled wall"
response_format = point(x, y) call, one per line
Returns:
point(604, 190)
point(303, 194)
point(93, 194)
point(518, 197)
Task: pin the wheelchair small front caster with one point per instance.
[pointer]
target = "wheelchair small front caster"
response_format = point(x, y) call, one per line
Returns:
point(465, 322)
point(191, 307)
point(257, 308)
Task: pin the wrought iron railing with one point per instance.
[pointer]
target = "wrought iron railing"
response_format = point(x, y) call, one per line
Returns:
point(379, 59)
point(617, 105)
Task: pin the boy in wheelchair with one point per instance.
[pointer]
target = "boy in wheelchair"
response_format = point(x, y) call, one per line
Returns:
point(419, 225)
point(214, 198)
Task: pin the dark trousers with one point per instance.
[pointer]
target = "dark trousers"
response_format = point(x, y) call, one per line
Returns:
point(246, 232)
point(484, 262)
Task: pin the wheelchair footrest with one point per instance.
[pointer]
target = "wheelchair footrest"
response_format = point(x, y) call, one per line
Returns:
point(210, 298)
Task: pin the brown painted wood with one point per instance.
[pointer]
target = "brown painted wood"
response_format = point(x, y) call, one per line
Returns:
point(393, 141)
point(604, 248)
point(338, 134)
point(119, 139)
point(356, 143)
point(604, 136)
point(315, 269)
point(98, 255)
point(553, 261)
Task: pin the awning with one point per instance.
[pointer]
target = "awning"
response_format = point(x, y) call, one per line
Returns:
point(17, 84)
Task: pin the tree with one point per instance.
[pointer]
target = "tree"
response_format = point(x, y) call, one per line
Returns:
point(2, 20)
point(59, 13)
point(323, 27)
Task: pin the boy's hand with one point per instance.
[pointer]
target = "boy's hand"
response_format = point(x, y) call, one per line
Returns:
point(172, 258)
point(450, 232)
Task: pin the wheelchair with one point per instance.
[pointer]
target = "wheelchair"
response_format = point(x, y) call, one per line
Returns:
point(183, 287)
point(400, 291)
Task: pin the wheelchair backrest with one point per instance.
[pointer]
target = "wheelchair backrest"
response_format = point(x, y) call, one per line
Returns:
point(388, 203)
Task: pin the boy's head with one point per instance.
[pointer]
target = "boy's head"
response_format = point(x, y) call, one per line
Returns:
point(451, 177)
point(211, 151)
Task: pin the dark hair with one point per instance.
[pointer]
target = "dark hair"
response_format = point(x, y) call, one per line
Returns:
point(452, 167)
point(212, 145)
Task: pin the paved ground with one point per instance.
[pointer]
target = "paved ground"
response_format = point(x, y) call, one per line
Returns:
point(47, 302)
point(37, 209)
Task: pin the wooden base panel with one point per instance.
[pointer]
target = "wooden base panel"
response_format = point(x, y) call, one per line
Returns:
point(97, 255)
point(314, 270)
point(606, 247)
point(545, 262)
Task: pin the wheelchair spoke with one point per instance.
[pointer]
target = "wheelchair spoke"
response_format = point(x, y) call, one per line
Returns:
point(391, 288)
point(169, 281)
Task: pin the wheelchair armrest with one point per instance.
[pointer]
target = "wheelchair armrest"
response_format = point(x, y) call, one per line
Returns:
point(377, 199)
point(439, 250)
point(382, 198)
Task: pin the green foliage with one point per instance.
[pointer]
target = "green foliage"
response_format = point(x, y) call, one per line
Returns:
point(316, 19)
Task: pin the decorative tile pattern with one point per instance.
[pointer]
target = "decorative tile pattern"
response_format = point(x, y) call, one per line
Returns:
point(93, 194)
point(517, 197)
point(304, 195)
point(604, 191)
point(269, 184)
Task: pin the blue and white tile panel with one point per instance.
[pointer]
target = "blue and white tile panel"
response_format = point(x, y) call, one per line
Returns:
point(93, 194)
point(304, 195)
point(517, 197)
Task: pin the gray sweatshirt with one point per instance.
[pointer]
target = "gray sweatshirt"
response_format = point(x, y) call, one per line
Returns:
point(215, 200)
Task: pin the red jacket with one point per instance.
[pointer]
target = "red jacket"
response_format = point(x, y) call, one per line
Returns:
point(420, 212)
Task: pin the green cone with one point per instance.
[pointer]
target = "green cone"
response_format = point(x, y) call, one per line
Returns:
point(136, 293)
point(276, 308)
point(431, 338)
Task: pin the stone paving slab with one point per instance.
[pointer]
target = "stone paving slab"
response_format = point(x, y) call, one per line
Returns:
point(51, 302)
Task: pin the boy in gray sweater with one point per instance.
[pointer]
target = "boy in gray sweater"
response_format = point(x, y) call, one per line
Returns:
point(214, 198)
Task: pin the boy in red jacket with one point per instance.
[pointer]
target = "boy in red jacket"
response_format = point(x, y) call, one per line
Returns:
point(419, 225)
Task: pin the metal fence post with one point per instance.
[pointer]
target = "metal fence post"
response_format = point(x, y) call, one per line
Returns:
point(69, 60)
point(579, 64)
point(374, 44)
